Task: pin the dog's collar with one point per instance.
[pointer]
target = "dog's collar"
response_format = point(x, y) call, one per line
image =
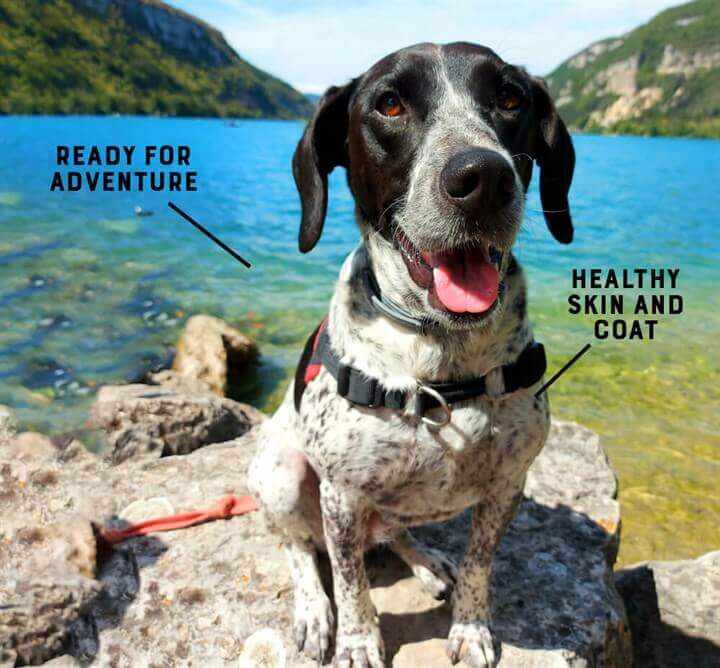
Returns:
point(362, 269)
point(363, 390)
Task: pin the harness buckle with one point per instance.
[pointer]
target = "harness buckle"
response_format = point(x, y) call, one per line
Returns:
point(447, 411)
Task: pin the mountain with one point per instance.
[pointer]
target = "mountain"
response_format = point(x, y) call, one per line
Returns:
point(661, 78)
point(128, 57)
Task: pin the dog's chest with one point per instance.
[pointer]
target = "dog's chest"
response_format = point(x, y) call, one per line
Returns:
point(414, 472)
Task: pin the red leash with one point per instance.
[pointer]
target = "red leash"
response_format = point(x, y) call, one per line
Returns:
point(224, 508)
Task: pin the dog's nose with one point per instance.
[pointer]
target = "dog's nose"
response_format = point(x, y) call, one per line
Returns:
point(478, 180)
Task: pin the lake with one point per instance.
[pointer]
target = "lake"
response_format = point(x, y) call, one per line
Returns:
point(92, 294)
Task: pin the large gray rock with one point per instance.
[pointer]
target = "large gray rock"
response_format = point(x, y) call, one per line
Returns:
point(47, 554)
point(157, 421)
point(553, 599)
point(674, 611)
point(207, 595)
point(211, 351)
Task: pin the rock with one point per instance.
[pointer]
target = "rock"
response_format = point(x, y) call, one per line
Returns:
point(40, 612)
point(197, 596)
point(69, 447)
point(674, 611)
point(174, 381)
point(49, 588)
point(553, 599)
point(142, 509)
point(156, 421)
point(31, 446)
point(7, 426)
point(209, 350)
point(263, 648)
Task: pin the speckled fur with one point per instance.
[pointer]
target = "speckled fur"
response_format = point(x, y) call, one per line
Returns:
point(382, 471)
point(342, 477)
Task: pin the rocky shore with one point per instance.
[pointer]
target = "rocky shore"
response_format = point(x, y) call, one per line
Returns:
point(219, 594)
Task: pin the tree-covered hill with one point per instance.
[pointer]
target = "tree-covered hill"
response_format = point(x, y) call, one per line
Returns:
point(661, 78)
point(128, 57)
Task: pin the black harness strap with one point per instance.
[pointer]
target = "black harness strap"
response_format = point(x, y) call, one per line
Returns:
point(353, 384)
point(524, 372)
point(362, 390)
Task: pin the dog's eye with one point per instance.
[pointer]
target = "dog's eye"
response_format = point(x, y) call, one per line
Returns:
point(509, 99)
point(390, 105)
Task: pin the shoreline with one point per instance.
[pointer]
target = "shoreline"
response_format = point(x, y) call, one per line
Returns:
point(179, 437)
point(661, 517)
point(230, 120)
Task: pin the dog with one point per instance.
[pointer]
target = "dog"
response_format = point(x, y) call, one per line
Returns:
point(423, 402)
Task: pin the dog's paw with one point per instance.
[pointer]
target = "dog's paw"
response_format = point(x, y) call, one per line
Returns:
point(473, 643)
point(360, 650)
point(314, 624)
point(438, 576)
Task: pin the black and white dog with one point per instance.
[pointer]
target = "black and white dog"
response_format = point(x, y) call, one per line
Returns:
point(415, 399)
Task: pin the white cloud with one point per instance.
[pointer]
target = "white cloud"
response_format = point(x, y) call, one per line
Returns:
point(315, 44)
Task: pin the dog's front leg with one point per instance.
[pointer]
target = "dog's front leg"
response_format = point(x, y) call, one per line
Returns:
point(471, 638)
point(358, 642)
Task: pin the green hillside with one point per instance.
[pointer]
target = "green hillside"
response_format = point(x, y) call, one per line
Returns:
point(128, 57)
point(662, 78)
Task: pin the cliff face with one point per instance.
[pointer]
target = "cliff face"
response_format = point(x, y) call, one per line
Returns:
point(175, 29)
point(662, 78)
point(129, 56)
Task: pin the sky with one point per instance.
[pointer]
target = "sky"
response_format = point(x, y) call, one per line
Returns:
point(313, 44)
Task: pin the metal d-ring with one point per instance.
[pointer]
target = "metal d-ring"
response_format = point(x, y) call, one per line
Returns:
point(447, 411)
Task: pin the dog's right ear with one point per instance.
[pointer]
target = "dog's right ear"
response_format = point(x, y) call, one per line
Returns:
point(321, 149)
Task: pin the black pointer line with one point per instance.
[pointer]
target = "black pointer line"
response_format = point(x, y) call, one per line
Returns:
point(572, 361)
point(241, 259)
point(209, 234)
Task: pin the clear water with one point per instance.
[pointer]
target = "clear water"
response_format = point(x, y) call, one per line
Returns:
point(91, 294)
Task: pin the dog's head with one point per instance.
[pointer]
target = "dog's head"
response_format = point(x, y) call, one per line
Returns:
point(439, 144)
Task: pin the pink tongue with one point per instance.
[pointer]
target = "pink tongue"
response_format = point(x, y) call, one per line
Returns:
point(464, 283)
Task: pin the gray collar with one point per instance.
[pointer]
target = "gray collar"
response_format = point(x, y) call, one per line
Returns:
point(361, 266)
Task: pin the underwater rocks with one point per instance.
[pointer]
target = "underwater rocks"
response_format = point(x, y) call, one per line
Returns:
point(38, 281)
point(157, 421)
point(46, 374)
point(674, 611)
point(56, 321)
point(154, 311)
point(211, 351)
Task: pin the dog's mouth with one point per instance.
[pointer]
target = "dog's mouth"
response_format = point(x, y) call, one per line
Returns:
point(462, 281)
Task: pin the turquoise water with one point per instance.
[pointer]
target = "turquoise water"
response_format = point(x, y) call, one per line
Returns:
point(92, 294)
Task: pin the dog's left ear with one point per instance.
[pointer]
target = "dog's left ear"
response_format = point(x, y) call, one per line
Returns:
point(321, 149)
point(556, 157)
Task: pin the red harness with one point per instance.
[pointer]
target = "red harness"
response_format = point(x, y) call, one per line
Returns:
point(314, 363)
